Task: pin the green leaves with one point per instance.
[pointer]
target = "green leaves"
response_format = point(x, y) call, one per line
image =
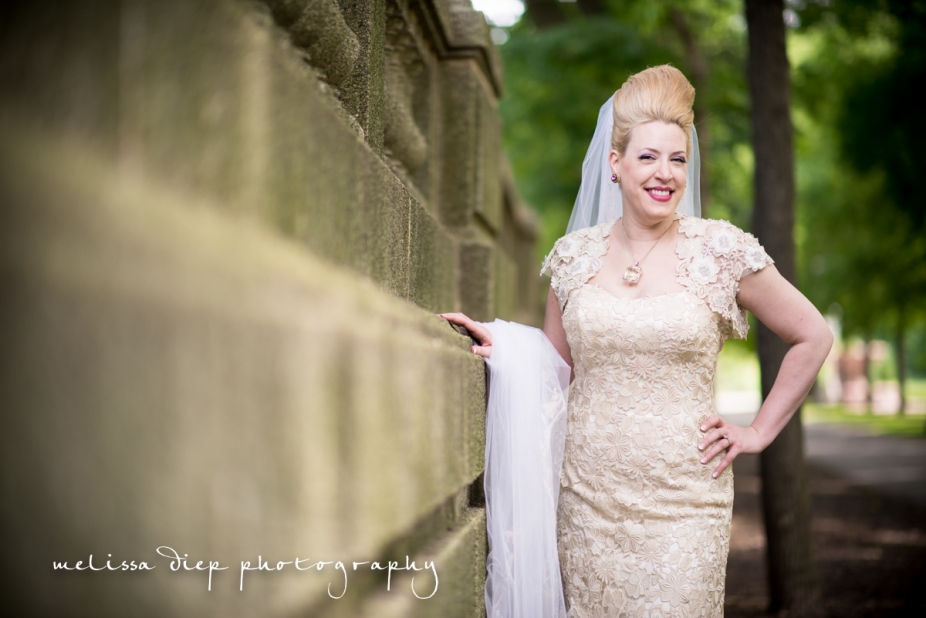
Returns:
point(862, 221)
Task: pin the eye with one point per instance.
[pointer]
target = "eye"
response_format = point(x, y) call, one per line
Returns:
point(647, 157)
point(680, 160)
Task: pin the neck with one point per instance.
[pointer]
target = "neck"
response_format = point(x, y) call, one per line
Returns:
point(638, 230)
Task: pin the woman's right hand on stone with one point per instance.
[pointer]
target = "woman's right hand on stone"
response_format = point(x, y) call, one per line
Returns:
point(478, 332)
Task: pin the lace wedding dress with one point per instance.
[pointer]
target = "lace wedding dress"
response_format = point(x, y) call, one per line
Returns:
point(642, 528)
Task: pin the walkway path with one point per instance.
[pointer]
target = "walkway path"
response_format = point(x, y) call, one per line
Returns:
point(892, 465)
point(870, 547)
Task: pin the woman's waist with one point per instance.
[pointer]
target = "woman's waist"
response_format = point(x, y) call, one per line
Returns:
point(594, 382)
point(652, 496)
point(631, 408)
point(647, 454)
point(689, 486)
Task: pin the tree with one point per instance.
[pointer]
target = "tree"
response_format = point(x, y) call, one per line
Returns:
point(793, 582)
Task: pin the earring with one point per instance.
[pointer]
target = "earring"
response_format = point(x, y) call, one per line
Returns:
point(615, 178)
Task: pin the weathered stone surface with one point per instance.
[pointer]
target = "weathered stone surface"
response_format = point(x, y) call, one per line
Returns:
point(218, 283)
point(506, 287)
point(468, 36)
point(173, 377)
point(362, 93)
point(477, 270)
point(516, 241)
point(459, 186)
point(460, 560)
point(318, 28)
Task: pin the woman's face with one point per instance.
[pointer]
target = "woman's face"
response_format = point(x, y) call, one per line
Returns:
point(652, 170)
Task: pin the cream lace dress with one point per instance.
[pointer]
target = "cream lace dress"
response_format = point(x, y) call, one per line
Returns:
point(643, 529)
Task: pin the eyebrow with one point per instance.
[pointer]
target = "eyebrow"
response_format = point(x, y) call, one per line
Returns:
point(657, 151)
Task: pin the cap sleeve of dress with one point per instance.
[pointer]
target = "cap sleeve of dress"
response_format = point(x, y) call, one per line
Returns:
point(574, 259)
point(554, 266)
point(716, 255)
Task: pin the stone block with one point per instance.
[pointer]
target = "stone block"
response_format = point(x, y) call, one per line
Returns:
point(467, 35)
point(175, 376)
point(362, 91)
point(506, 289)
point(488, 205)
point(471, 163)
point(460, 137)
point(212, 98)
point(477, 280)
point(217, 286)
point(459, 558)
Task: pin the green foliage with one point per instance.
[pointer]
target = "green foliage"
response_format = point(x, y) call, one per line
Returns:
point(881, 127)
point(861, 232)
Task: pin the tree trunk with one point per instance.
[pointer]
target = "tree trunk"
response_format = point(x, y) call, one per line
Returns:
point(700, 71)
point(793, 582)
point(901, 352)
point(592, 7)
point(544, 13)
point(866, 369)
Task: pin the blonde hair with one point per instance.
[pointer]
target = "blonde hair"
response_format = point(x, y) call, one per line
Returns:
point(658, 93)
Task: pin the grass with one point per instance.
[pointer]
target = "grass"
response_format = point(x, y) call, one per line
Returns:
point(916, 387)
point(910, 425)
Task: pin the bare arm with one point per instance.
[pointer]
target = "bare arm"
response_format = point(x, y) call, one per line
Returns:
point(788, 313)
point(553, 329)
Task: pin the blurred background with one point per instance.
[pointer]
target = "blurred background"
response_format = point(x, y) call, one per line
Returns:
point(861, 229)
point(859, 239)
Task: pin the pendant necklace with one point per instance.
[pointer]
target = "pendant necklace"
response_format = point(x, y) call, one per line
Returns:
point(633, 273)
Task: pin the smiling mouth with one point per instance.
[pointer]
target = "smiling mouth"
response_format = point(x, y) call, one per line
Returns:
point(660, 192)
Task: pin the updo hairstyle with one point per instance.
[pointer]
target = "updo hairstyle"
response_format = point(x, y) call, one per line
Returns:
point(658, 93)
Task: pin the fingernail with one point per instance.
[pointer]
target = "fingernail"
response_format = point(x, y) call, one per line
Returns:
point(700, 447)
point(704, 460)
point(714, 475)
point(703, 427)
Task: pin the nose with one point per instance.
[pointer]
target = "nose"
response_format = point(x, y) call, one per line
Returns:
point(663, 171)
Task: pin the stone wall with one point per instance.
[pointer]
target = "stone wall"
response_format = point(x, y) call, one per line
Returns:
point(226, 226)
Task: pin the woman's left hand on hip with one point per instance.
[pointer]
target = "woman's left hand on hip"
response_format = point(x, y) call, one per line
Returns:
point(719, 436)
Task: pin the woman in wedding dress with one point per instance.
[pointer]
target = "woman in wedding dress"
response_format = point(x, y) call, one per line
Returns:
point(643, 294)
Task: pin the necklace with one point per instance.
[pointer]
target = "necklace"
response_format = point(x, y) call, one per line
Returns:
point(633, 273)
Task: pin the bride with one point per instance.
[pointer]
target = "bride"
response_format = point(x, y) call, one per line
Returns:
point(616, 500)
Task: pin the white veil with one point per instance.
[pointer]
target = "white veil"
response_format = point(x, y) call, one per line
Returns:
point(599, 199)
point(525, 434)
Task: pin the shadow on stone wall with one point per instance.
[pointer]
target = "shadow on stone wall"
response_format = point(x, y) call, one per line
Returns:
point(226, 226)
